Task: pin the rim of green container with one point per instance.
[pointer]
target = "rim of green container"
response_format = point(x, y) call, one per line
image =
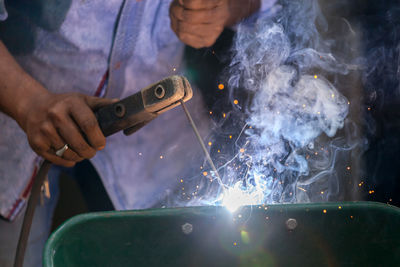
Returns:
point(81, 218)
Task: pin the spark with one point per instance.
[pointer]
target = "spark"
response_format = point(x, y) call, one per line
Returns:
point(340, 207)
point(230, 137)
point(223, 115)
point(361, 183)
point(241, 150)
point(161, 157)
point(302, 189)
point(181, 180)
point(371, 192)
point(369, 108)
point(210, 112)
point(324, 211)
point(221, 86)
point(333, 95)
point(315, 76)
point(348, 168)
point(174, 69)
point(235, 102)
point(351, 216)
point(205, 173)
point(209, 143)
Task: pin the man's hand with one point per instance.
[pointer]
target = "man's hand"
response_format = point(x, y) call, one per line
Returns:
point(50, 120)
point(53, 120)
point(199, 23)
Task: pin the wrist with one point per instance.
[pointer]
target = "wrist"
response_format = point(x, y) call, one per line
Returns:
point(30, 92)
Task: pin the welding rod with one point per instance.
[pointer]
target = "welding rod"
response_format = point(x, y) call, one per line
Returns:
point(203, 146)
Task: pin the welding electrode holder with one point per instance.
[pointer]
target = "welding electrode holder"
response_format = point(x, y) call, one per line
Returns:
point(133, 112)
point(128, 115)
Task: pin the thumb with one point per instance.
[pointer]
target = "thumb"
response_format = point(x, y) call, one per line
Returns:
point(97, 102)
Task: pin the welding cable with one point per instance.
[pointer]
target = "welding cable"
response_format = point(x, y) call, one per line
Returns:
point(29, 213)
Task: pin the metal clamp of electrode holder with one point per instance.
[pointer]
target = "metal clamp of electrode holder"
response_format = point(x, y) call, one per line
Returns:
point(132, 113)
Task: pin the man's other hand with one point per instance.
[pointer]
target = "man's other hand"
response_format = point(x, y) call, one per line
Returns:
point(53, 120)
point(198, 23)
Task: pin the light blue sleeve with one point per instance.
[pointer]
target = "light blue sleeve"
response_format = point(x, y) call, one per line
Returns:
point(3, 11)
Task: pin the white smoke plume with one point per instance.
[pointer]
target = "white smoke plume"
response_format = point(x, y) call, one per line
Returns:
point(288, 147)
point(279, 59)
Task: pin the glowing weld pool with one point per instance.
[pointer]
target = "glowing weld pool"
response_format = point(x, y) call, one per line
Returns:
point(329, 234)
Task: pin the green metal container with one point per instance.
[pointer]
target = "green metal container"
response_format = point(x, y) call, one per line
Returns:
point(328, 234)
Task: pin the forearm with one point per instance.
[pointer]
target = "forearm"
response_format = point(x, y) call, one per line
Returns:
point(16, 86)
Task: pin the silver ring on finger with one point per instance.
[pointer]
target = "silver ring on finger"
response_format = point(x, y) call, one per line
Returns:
point(62, 150)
